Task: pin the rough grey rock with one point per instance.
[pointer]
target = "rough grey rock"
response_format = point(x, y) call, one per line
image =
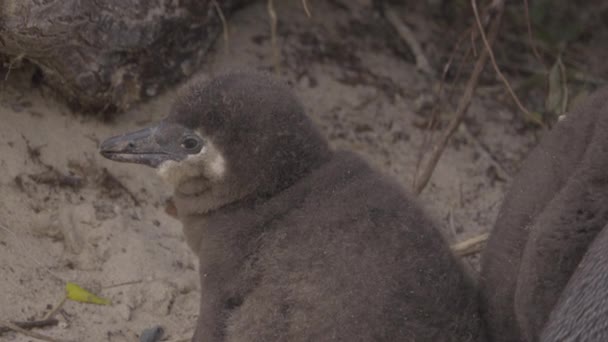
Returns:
point(106, 55)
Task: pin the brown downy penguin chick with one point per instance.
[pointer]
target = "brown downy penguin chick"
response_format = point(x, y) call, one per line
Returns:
point(555, 208)
point(297, 242)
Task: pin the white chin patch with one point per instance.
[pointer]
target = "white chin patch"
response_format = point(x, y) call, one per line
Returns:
point(208, 163)
point(169, 171)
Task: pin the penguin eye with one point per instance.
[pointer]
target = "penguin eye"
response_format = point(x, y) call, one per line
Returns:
point(190, 143)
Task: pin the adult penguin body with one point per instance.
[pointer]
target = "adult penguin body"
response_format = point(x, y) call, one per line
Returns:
point(582, 308)
point(297, 242)
point(556, 207)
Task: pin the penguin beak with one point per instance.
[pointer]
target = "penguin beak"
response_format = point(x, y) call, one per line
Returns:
point(139, 147)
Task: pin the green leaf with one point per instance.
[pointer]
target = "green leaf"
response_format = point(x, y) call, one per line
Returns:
point(557, 98)
point(78, 294)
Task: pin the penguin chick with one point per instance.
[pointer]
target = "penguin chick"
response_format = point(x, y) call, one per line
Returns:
point(551, 215)
point(297, 242)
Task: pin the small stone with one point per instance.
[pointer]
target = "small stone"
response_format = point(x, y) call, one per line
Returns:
point(153, 334)
point(124, 311)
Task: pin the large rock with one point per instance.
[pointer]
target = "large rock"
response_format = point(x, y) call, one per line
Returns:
point(106, 55)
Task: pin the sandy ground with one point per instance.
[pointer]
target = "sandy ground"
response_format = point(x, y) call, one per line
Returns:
point(66, 214)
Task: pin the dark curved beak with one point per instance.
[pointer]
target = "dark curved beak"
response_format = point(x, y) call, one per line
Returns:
point(139, 147)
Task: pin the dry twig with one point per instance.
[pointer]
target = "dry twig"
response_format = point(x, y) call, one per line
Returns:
point(463, 104)
point(530, 39)
point(273, 35)
point(31, 324)
point(56, 308)
point(25, 332)
point(562, 71)
point(427, 138)
point(470, 246)
point(488, 48)
point(132, 282)
point(306, 9)
point(225, 31)
point(422, 63)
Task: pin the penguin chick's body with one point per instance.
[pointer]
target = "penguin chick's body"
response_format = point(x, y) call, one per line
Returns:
point(556, 207)
point(296, 242)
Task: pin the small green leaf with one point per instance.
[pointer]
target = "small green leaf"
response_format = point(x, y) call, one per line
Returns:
point(557, 98)
point(78, 294)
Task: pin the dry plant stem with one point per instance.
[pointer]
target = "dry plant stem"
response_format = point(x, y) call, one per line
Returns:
point(31, 324)
point(306, 9)
point(56, 308)
point(225, 31)
point(132, 282)
point(562, 70)
point(470, 246)
point(273, 35)
point(28, 333)
point(461, 110)
point(428, 138)
point(422, 63)
point(488, 47)
point(530, 39)
point(450, 62)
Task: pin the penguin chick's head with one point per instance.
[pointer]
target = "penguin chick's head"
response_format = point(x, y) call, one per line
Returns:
point(238, 135)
